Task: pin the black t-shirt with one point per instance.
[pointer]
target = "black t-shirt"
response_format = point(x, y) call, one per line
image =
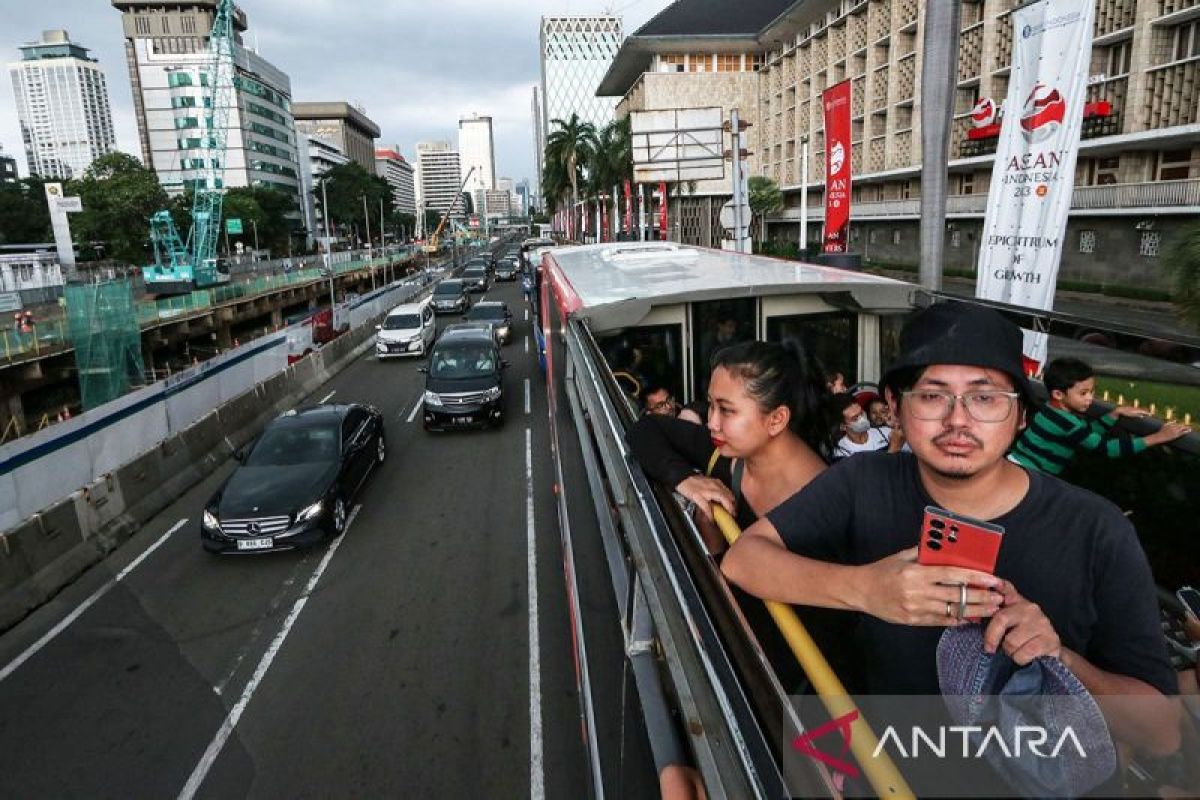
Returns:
point(1066, 549)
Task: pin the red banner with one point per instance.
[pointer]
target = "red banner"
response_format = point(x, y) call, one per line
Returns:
point(662, 211)
point(836, 100)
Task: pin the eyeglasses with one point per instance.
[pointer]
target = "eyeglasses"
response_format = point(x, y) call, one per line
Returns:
point(982, 406)
point(661, 406)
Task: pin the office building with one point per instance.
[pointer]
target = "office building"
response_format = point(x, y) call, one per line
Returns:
point(166, 46)
point(576, 52)
point(8, 167)
point(1137, 179)
point(393, 168)
point(344, 125)
point(62, 107)
point(438, 176)
point(524, 198)
point(319, 156)
point(539, 135)
point(477, 155)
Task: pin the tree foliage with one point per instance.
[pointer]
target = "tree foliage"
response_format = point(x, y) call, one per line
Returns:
point(345, 186)
point(24, 216)
point(765, 198)
point(1183, 261)
point(569, 148)
point(118, 195)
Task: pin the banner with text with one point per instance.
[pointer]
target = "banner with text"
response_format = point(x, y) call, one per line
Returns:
point(1034, 173)
point(836, 101)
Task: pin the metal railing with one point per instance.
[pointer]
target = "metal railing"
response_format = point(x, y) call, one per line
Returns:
point(1151, 194)
point(52, 335)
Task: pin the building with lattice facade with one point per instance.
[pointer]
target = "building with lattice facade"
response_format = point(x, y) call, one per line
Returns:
point(62, 107)
point(575, 53)
point(1138, 171)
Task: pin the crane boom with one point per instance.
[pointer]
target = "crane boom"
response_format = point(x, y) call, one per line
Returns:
point(432, 247)
point(181, 266)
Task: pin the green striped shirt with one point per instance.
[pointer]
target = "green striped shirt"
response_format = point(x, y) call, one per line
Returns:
point(1053, 436)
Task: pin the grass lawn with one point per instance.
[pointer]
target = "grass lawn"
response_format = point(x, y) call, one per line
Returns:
point(1181, 399)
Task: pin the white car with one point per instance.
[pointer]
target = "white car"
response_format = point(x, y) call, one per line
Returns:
point(407, 330)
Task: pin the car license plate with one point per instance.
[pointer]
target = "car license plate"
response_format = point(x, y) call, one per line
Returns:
point(254, 544)
point(462, 420)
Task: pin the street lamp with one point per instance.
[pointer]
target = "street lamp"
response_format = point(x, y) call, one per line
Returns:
point(367, 221)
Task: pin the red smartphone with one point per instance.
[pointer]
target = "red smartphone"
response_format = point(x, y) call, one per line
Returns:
point(952, 540)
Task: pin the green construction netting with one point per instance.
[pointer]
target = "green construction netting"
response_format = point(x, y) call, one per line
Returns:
point(102, 321)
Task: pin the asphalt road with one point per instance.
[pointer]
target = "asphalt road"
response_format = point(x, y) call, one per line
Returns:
point(396, 662)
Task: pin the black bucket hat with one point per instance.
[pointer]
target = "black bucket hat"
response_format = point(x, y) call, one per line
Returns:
point(964, 334)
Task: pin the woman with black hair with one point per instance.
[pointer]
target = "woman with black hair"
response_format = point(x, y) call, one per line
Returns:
point(767, 435)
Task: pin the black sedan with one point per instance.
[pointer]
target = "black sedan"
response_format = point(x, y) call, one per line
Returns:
point(296, 481)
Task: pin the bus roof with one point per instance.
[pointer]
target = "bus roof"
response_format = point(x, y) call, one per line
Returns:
point(616, 285)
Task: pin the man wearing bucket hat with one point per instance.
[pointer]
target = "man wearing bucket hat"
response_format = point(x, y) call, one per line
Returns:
point(1071, 581)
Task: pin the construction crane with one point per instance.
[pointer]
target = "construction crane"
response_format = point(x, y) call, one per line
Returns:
point(432, 247)
point(181, 266)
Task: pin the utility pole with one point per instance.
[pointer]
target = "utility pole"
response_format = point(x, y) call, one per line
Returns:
point(367, 223)
point(939, 72)
point(383, 241)
point(328, 255)
point(255, 226)
point(803, 195)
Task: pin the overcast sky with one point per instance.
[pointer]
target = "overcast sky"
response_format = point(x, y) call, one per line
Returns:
point(415, 65)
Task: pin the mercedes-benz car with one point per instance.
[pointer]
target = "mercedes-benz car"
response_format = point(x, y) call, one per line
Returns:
point(296, 481)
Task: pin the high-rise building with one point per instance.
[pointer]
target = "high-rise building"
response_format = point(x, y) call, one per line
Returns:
point(539, 135)
point(476, 149)
point(393, 168)
point(8, 167)
point(166, 45)
point(62, 107)
point(524, 198)
point(344, 125)
point(438, 175)
point(498, 204)
point(318, 156)
point(575, 54)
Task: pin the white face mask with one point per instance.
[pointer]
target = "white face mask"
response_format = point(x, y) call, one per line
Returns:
point(860, 425)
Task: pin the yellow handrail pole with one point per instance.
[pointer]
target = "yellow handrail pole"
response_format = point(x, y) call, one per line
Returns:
point(880, 771)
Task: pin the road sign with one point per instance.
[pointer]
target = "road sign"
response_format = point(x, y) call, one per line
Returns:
point(728, 216)
point(233, 226)
point(676, 145)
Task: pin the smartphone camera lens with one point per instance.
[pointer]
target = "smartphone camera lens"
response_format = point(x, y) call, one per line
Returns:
point(934, 533)
point(937, 523)
point(934, 544)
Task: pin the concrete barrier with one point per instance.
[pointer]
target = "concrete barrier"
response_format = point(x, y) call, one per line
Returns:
point(42, 554)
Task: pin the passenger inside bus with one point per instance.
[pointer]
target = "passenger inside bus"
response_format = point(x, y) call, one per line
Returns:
point(961, 400)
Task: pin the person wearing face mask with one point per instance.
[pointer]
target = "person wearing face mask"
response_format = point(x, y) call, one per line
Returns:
point(857, 434)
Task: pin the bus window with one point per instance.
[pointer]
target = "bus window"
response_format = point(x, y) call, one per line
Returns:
point(831, 338)
point(717, 324)
point(646, 357)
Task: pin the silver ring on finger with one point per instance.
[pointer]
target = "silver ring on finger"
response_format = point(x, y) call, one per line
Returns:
point(962, 600)
point(949, 609)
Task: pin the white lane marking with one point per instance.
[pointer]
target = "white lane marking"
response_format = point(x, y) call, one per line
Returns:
point(537, 781)
point(231, 720)
point(526, 344)
point(527, 315)
point(412, 414)
point(527, 395)
point(325, 399)
point(86, 604)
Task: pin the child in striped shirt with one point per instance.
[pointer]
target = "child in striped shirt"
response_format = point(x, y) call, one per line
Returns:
point(1060, 429)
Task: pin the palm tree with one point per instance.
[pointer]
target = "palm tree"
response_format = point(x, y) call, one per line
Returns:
point(571, 145)
point(612, 161)
point(765, 198)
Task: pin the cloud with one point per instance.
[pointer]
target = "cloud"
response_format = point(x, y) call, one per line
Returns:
point(415, 65)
